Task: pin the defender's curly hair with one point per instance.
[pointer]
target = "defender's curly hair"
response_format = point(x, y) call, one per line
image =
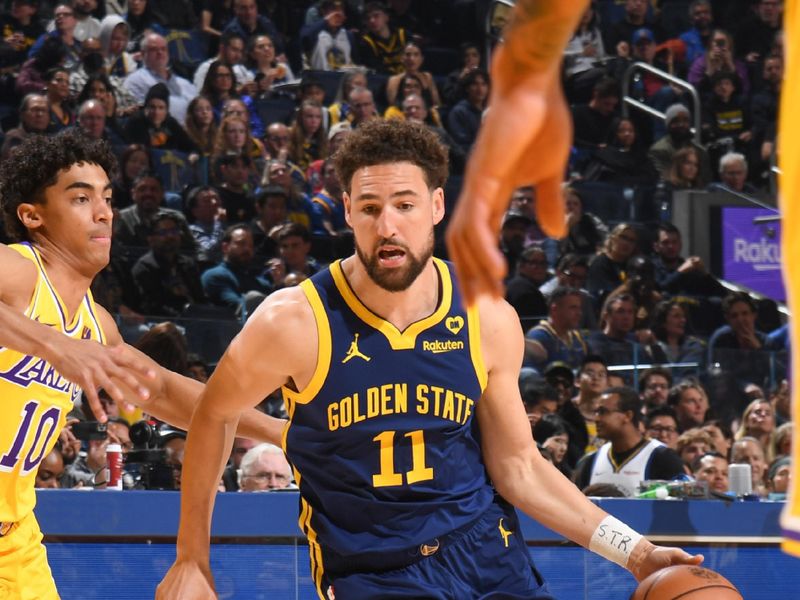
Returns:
point(34, 165)
point(379, 142)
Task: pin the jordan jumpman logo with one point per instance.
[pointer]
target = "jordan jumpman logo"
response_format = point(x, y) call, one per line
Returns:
point(504, 532)
point(353, 351)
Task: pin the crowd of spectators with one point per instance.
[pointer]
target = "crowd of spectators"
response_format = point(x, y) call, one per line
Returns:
point(225, 114)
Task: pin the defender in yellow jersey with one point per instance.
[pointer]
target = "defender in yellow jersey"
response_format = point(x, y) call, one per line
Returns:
point(54, 341)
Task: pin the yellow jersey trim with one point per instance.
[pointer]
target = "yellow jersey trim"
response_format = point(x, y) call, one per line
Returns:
point(791, 547)
point(323, 352)
point(475, 348)
point(398, 340)
point(69, 323)
point(616, 466)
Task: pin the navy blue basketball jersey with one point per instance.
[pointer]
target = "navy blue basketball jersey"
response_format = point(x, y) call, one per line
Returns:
point(384, 440)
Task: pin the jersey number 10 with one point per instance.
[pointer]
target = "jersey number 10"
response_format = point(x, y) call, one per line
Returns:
point(40, 442)
point(388, 476)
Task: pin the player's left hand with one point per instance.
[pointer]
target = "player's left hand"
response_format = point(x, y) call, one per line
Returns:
point(653, 558)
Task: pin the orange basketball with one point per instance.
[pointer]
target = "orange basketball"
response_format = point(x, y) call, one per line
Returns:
point(686, 582)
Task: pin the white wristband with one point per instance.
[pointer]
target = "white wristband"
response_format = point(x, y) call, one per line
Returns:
point(614, 540)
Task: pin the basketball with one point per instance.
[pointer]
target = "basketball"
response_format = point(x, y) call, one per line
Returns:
point(687, 582)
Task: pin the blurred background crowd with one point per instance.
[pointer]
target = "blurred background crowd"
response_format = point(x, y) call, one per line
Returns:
point(225, 113)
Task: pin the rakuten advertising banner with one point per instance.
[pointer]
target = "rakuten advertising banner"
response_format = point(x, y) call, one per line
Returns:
point(751, 253)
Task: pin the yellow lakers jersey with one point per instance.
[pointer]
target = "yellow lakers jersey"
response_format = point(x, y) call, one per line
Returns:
point(789, 158)
point(34, 398)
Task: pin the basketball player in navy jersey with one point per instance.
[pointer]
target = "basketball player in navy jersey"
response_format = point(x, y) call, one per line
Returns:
point(406, 430)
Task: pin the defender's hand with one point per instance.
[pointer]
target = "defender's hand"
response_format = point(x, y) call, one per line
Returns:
point(91, 365)
point(524, 140)
point(187, 580)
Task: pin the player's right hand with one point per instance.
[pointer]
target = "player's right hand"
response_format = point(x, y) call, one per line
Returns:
point(187, 580)
point(91, 366)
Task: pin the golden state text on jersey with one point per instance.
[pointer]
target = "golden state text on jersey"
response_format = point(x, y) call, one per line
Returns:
point(35, 397)
point(384, 440)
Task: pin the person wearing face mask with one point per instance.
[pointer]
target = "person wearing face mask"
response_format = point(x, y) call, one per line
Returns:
point(679, 135)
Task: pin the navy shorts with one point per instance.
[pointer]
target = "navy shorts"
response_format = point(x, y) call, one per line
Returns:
point(488, 561)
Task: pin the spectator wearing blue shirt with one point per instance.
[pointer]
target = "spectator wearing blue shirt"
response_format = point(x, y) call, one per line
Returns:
point(327, 217)
point(557, 338)
point(617, 342)
point(248, 23)
point(696, 39)
point(238, 282)
point(464, 119)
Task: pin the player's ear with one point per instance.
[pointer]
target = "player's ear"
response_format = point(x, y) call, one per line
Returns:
point(437, 205)
point(348, 204)
point(29, 216)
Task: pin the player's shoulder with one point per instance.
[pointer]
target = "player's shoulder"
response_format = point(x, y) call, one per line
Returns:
point(17, 277)
point(286, 313)
point(497, 316)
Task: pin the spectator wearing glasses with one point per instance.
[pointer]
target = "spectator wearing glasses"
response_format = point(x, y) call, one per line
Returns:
point(264, 468)
point(618, 414)
point(662, 424)
point(522, 290)
point(65, 23)
point(654, 385)
point(607, 269)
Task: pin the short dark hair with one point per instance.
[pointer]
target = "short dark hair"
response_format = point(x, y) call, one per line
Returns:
point(607, 87)
point(228, 36)
point(193, 194)
point(34, 165)
point(695, 466)
point(146, 175)
point(560, 293)
point(378, 142)
point(628, 401)
point(548, 426)
point(661, 411)
point(665, 227)
point(537, 391)
point(227, 235)
point(734, 297)
point(371, 7)
point(160, 217)
point(294, 230)
point(593, 359)
point(270, 191)
point(570, 260)
point(647, 374)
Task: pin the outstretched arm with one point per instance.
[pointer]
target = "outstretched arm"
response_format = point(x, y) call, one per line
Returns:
point(248, 371)
point(86, 363)
point(524, 477)
point(524, 140)
point(172, 397)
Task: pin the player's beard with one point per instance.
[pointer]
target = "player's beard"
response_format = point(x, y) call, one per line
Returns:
point(400, 279)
